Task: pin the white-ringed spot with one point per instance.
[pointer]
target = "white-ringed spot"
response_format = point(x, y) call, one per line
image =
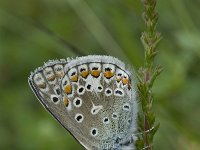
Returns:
point(114, 116)
point(106, 120)
point(100, 88)
point(119, 92)
point(88, 87)
point(79, 118)
point(94, 132)
point(77, 102)
point(55, 99)
point(81, 90)
point(126, 107)
point(108, 91)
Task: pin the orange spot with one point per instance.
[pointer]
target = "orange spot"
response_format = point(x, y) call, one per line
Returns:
point(51, 78)
point(74, 78)
point(95, 73)
point(42, 86)
point(68, 89)
point(66, 101)
point(84, 74)
point(108, 74)
point(124, 81)
point(60, 74)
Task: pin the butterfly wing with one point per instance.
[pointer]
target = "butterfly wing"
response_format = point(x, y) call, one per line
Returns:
point(93, 97)
point(45, 82)
point(102, 100)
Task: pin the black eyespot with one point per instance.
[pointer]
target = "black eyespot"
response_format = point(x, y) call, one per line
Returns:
point(100, 88)
point(108, 91)
point(78, 102)
point(108, 69)
point(119, 92)
point(94, 132)
point(106, 120)
point(55, 99)
point(114, 116)
point(95, 68)
point(79, 117)
point(81, 90)
point(58, 91)
point(65, 83)
point(126, 107)
point(73, 73)
point(82, 69)
point(119, 74)
point(88, 86)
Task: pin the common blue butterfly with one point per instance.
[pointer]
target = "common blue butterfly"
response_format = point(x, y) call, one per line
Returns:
point(93, 97)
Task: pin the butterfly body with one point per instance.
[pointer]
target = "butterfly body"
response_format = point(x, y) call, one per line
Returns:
point(93, 97)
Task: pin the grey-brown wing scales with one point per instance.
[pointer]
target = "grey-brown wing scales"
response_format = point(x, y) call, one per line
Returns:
point(46, 85)
point(101, 98)
point(93, 97)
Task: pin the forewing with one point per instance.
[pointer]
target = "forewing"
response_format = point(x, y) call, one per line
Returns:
point(45, 82)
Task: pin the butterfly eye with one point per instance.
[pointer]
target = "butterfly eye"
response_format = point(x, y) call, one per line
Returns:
point(94, 132)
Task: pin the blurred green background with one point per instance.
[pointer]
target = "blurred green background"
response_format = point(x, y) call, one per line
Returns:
point(97, 27)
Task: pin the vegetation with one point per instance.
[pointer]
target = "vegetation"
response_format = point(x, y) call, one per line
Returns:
point(97, 27)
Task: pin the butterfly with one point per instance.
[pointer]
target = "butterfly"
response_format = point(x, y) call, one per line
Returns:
point(93, 97)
